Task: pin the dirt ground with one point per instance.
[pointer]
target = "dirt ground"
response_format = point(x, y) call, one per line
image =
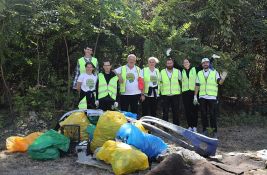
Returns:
point(232, 139)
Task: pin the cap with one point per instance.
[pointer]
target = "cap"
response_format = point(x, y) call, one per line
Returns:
point(205, 60)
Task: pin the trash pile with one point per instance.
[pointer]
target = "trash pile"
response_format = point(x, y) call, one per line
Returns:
point(107, 136)
point(118, 142)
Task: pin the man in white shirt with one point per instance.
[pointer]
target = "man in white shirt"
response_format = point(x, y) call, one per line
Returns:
point(130, 92)
point(207, 82)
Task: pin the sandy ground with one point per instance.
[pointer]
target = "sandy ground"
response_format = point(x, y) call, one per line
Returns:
point(240, 139)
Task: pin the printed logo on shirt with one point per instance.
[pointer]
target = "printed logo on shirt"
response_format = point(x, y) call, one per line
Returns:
point(154, 79)
point(90, 83)
point(130, 77)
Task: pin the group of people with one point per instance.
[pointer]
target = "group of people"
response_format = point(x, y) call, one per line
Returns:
point(130, 85)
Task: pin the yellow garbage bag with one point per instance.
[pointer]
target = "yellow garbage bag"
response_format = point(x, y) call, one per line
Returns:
point(122, 157)
point(139, 125)
point(107, 126)
point(21, 144)
point(78, 118)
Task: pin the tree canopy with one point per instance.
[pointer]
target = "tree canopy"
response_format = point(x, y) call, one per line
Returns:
point(40, 42)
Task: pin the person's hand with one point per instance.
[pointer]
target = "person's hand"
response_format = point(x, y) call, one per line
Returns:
point(195, 101)
point(116, 104)
point(215, 56)
point(224, 75)
point(143, 98)
point(97, 103)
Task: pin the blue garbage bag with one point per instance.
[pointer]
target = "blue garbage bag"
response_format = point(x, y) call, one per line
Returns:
point(130, 114)
point(149, 144)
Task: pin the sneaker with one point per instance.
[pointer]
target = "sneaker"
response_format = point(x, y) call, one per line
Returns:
point(194, 129)
point(190, 129)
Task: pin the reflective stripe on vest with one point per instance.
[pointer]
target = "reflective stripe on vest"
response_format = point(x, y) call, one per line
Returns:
point(123, 75)
point(83, 103)
point(105, 89)
point(147, 79)
point(209, 85)
point(189, 83)
point(82, 64)
point(170, 86)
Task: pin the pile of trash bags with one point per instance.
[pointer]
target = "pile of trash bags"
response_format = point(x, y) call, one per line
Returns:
point(126, 145)
point(122, 157)
point(21, 144)
point(48, 146)
point(39, 146)
point(133, 146)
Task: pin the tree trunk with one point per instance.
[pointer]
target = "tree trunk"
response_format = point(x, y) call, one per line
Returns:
point(69, 79)
point(39, 64)
point(100, 25)
point(7, 90)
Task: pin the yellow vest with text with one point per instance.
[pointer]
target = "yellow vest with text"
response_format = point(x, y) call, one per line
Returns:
point(209, 85)
point(123, 75)
point(105, 89)
point(82, 64)
point(170, 86)
point(147, 79)
point(189, 83)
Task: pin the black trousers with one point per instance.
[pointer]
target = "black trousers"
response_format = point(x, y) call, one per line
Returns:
point(173, 102)
point(106, 103)
point(190, 109)
point(90, 99)
point(208, 107)
point(149, 106)
point(130, 101)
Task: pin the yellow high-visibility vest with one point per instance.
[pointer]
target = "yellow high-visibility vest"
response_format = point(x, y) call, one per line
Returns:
point(147, 79)
point(170, 86)
point(107, 89)
point(82, 64)
point(189, 83)
point(209, 85)
point(123, 75)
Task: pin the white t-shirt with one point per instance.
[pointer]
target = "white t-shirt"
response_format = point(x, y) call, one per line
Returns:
point(131, 80)
point(88, 82)
point(153, 80)
point(206, 74)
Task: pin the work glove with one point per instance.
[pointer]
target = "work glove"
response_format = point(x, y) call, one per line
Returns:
point(195, 101)
point(223, 75)
point(215, 56)
point(115, 104)
point(97, 103)
point(168, 52)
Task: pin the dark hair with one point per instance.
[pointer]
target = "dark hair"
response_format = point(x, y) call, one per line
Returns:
point(170, 59)
point(88, 47)
point(187, 58)
point(107, 60)
point(89, 63)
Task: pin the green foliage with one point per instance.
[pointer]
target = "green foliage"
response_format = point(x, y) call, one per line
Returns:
point(33, 53)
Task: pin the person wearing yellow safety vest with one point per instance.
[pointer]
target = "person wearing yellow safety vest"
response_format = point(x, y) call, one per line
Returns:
point(129, 90)
point(189, 75)
point(107, 88)
point(150, 94)
point(80, 68)
point(170, 90)
point(86, 87)
point(207, 82)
